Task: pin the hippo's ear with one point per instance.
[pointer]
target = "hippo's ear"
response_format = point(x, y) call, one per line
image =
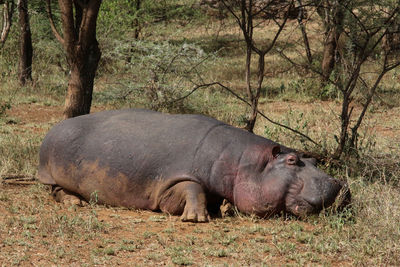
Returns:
point(275, 151)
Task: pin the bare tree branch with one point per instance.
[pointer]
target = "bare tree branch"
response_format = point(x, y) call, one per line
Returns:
point(354, 129)
point(307, 66)
point(89, 21)
point(230, 9)
point(52, 25)
point(246, 102)
point(281, 26)
point(356, 17)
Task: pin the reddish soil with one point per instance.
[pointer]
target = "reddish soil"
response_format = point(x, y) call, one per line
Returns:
point(37, 231)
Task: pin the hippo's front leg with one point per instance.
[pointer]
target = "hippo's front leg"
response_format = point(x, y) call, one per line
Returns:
point(187, 198)
point(66, 197)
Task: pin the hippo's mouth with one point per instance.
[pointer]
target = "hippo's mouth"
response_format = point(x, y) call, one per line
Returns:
point(301, 208)
point(294, 203)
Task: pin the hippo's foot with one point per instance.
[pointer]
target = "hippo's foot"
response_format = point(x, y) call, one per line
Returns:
point(196, 204)
point(226, 209)
point(186, 198)
point(67, 198)
point(195, 214)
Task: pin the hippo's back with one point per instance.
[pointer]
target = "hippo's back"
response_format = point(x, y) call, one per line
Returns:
point(131, 141)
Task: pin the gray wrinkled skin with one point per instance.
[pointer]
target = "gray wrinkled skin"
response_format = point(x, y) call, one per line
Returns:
point(180, 164)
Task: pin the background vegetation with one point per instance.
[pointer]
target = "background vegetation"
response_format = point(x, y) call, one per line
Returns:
point(154, 57)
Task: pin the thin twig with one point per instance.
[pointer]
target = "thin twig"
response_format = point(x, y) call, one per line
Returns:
point(307, 67)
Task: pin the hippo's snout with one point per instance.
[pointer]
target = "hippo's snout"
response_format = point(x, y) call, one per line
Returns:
point(316, 194)
point(321, 193)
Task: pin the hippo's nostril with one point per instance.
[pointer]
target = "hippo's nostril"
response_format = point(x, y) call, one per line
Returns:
point(315, 202)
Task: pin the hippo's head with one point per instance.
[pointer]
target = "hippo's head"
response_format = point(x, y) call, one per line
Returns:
point(310, 190)
point(289, 183)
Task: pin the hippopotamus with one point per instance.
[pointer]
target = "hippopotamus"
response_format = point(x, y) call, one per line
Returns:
point(180, 164)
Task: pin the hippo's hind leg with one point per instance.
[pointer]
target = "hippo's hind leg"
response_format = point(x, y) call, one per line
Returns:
point(186, 198)
point(66, 197)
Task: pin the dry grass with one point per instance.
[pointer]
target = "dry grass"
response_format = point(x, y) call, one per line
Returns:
point(35, 230)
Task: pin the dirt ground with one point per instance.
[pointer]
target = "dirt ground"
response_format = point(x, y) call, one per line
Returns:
point(37, 231)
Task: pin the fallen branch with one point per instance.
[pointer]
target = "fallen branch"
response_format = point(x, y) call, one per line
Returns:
point(18, 179)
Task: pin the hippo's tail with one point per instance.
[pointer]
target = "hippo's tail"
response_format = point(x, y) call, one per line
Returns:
point(45, 177)
point(44, 172)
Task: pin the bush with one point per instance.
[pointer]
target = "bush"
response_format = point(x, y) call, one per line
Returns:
point(159, 74)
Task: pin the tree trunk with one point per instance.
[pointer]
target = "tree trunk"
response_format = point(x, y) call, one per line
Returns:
point(345, 119)
point(332, 14)
point(136, 22)
point(80, 86)
point(245, 21)
point(254, 100)
point(329, 54)
point(300, 17)
point(79, 19)
point(251, 122)
point(26, 50)
point(253, 116)
point(8, 11)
